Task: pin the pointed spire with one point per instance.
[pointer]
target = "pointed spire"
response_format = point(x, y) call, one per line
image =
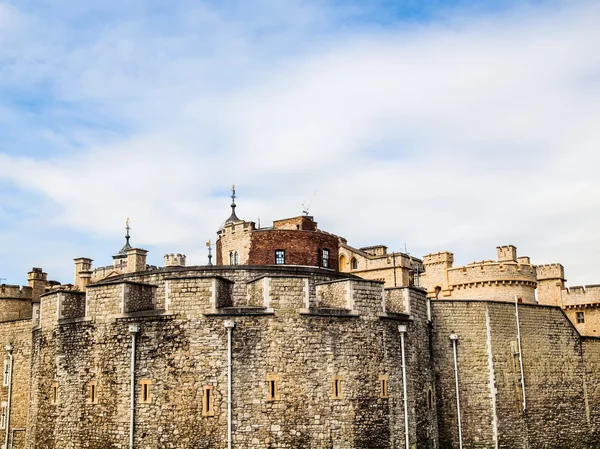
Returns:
point(128, 228)
point(233, 218)
point(123, 253)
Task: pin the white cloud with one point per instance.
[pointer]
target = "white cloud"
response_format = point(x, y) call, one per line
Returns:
point(460, 134)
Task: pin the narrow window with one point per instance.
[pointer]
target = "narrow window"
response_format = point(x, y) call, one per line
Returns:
point(430, 398)
point(325, 258)
point(93, 392)
point(54, 394)
point(6, 373)
point(273, 387)
point(208, 401)
point(337, 392)
point(235, 258)
point(384, 381)
point(145, 391)
point(354, 263)
point(580, 317)
point(3, 416)
point(279, 257)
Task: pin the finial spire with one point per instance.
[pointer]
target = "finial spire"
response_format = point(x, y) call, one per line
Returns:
point(233, 218)
point(123, 253)
point(128, 228)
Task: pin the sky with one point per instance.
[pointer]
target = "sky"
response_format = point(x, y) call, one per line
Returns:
point(422, 125)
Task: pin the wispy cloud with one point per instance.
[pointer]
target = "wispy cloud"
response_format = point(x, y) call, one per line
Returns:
point(460, 131)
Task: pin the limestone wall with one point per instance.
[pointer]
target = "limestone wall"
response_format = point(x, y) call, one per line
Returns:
point(393, 269)
point(589, 317)
point(588, 294)
point(183, 350)
point(18, 334)
point(15, 302)
point(71, 305)
point(489, 377)
point(235, 237)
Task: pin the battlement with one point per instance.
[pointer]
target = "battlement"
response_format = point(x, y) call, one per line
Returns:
point(377, 250)
point(507, 253)
point(16, 292)
point(174, 260)
point(242, 226)
point(550, 271)
point(581, 294)
point(443, 257)
point(491, 272)
point(37, 274)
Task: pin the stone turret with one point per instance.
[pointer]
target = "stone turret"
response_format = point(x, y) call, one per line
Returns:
point(38, 281)
point(83, 272)
point(174, 260)
point(233, 244)
point(551, 282)
point(507, 253)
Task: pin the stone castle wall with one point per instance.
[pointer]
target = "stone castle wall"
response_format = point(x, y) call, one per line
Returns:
point(500, 280)
point(18, 334)
point(15, 302)
point(557, 372)
point(393, 269)
point(234, 237)
point(182, 350)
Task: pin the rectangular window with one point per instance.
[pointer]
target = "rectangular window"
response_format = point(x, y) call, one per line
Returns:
point(273, 387)
point(145, 387)
point(580, 317)
point(3, 416)
point(93, 392)
point(325, 258)
point(384, 382)
point(336, 390)
point(279, 257)
point(208, 401)
point(6, 373)
point(54, 394)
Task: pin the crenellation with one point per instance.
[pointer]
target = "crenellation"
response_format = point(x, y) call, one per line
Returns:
point(174, 260)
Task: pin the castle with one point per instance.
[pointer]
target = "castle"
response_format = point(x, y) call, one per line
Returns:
point(295, 339)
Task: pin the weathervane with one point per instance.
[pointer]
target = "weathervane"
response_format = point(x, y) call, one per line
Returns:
point(209, 245)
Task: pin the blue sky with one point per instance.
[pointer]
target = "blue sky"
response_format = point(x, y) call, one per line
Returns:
point(442, 125)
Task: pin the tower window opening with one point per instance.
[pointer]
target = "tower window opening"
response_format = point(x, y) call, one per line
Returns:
point(273, 387)
point(93, 392)
point(384, 381)
point(54, 394)
point(430, 398)
point(208, 401)
point(233, 258)
point(337, 392)
point(580, 317)
point(354, 263)
point(145, 392)
point(279, 257)
point(325, 255)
